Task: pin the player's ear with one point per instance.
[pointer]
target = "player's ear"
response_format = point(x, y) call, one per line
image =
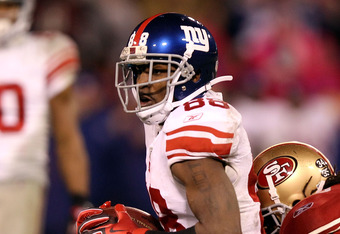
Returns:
point(196, 78)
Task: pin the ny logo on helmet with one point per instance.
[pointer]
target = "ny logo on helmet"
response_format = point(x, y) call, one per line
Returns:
point(198, 36)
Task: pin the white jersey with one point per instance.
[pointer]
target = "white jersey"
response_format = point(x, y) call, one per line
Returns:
point(34, 68)
point(204, 127)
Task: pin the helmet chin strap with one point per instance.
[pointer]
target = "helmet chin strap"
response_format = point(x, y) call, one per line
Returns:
point(156, 115)
point(273, 192)
point(201, 90)
point(320, 186)
point(187, 55)
point(151, 116)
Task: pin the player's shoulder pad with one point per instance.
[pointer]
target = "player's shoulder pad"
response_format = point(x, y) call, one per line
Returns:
point(203, 111)
point(54, 40)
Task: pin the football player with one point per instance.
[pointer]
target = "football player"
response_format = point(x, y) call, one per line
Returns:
point(199, 164)
point(287, 173)
point(319, 213)
point(36, 75)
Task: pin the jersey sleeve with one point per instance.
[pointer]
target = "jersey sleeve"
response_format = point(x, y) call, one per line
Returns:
point(62, 61)
point(199, 129)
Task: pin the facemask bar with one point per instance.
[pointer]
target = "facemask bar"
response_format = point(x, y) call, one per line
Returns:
point(157, 113)
point(150, 81)
point(128, 87)
point(277, 212)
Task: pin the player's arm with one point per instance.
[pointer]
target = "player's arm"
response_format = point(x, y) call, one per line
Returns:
point(72, 155)
point(210, 194)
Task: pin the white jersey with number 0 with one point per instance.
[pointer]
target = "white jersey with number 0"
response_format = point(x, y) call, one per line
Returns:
point(203, 127)
point(33, 69)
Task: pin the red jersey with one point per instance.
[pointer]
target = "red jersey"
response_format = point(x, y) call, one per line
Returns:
point(319, 213)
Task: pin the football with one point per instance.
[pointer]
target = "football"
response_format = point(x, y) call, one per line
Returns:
point(141, 218)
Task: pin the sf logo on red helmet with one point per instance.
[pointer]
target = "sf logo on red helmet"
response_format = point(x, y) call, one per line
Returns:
point(279, 169)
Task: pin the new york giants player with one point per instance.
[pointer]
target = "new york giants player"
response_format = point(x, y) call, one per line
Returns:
point(36, 75)
point(199, 164)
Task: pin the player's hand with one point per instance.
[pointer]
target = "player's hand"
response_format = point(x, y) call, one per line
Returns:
point(78, 204)
point(107, 219)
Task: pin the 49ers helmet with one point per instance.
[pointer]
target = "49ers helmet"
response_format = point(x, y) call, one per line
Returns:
point(22, 23)
point(287, 173)
point(178, 41)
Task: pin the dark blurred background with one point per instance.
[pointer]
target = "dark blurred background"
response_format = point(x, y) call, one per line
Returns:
point(283, 55)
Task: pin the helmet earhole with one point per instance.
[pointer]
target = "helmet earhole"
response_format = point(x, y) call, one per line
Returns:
point(295, 202)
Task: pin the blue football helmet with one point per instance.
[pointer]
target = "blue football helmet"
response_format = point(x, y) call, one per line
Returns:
point(180, 42)
point(22, 23)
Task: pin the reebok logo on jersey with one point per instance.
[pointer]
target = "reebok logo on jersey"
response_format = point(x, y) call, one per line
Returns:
point(193, 117)
point(302, 209)
point(277, 170)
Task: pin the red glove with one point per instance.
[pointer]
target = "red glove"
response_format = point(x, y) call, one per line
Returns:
point(107, 219)
point(79, 203)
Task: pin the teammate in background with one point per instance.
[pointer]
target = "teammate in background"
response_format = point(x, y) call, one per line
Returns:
point(319, 213)
point(36, 76)
point(199, 164)
point(287, 173)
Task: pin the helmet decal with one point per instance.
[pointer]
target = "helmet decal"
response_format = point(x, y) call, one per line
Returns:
point(183, 47)
point(138, 38)
point(280, 169)
point(198, 36)
point(321, 163)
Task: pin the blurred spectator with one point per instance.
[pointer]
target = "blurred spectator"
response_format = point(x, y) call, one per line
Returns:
point(279, 48)
point(273, 120)
point(290, 76)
